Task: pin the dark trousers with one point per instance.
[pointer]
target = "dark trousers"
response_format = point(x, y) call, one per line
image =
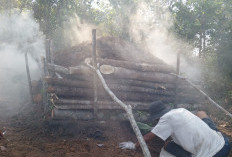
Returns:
point(178, 151)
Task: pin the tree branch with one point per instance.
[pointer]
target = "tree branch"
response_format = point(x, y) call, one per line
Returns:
point(128, 110)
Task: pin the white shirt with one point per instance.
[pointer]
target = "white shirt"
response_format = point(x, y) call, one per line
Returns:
point(190, 132)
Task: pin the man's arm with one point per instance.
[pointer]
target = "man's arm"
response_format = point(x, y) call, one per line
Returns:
point(147, 138)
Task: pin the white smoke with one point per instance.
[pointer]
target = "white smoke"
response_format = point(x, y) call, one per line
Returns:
point(150, 26)
point(19, 34)
point(77, 31)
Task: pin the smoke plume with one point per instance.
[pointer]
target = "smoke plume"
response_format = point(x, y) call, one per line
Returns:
point(150, 26)
point(19, 34)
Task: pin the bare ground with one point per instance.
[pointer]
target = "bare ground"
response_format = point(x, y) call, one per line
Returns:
point(27, 134)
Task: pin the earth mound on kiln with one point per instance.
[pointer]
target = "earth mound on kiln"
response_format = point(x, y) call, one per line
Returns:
point(107, 48)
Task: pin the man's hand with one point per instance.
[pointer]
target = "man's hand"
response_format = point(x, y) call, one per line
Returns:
point(127, 145)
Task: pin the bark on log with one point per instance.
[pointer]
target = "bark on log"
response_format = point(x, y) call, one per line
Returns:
point(68, 82)
point(57, 68)
point(81, 70)
point(108, 105)
point(137, 83)
point(112, 82)
point(136, 66)
point(142, 90)
point(74, 114)
point(122, 73)
point(79, 77)
point(126, 96)
point(64, 91)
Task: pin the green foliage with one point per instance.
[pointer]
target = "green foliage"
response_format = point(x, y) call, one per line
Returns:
point(144, 128)
point(197, 21)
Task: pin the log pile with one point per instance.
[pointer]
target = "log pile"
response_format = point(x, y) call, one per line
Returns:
point(133, 81)
point(129, 81)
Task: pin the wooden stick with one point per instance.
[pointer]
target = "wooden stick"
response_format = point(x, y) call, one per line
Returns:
point(128, 110)
point(29, 77)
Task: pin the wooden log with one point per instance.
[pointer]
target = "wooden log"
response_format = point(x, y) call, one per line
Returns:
point(112, 82)
point(115, 87)
point(137, 83)
point(57, 68)
point(118, 89)
point(68, 82)
point(122, 73)
point(85, 104)
point(72, 114)
point(81, 70)
point(126, 96)
point(158, 91)
point(65, 91)
point(136, 66)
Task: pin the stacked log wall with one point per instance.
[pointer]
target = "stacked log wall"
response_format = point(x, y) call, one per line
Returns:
point(137, 84)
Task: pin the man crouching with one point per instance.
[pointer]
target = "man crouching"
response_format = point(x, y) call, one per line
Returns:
point(192, 135)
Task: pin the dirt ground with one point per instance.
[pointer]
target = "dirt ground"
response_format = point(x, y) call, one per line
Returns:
point(27, 134)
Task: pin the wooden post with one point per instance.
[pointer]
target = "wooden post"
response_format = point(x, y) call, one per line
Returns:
point(48, 52)
point(52, 51)
point(29, 77)
point(177, 79)
point(44, 73)
point(95, 76)
point(178, 64)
